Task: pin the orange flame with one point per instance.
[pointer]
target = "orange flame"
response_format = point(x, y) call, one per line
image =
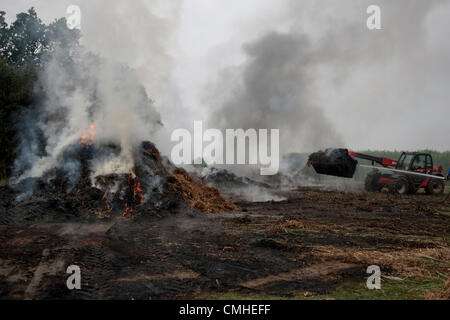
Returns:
point(128, 211)
point(137, 194)
point(88, 138)
point(137, 191)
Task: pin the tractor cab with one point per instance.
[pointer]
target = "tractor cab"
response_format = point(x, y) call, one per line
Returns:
point(415, 162)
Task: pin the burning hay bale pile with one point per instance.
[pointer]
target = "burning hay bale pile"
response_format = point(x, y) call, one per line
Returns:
point(153, 185)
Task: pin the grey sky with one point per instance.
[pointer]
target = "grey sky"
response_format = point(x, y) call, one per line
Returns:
point(387, 89)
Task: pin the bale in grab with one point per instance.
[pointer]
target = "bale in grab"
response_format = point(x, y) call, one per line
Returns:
point(333, 162)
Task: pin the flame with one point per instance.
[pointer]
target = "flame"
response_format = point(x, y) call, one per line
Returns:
point(128, 211)
point(92, 131)
point(137, 195)
point(137, 191)
point(84, 138)
point(88, 137)
point(135, 184)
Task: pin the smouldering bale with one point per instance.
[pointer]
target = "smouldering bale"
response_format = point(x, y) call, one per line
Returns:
point(333, 162)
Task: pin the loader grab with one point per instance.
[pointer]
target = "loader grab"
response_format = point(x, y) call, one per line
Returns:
point(411, 172)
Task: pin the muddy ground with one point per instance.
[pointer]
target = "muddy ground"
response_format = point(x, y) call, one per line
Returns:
point(307, 246)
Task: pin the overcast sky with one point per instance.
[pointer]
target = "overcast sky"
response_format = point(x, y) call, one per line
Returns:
point(383, 89)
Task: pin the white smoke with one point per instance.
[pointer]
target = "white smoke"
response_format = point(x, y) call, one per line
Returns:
point(124, 59)
point(96, 97)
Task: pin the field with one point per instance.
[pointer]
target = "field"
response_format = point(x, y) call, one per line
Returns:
point(314, 245)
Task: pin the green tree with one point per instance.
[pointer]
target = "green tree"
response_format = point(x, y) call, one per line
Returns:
point(4, 35)
point(15, 93)
point(26, 40)
point(25, 47)
point(3, 31)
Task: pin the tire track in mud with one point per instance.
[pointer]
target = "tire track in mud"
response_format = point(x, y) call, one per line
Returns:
point(45, 269)
point(96, 271)
point(183, 254)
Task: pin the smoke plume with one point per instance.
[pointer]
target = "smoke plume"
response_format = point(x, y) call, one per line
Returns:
point(88, 99)
point(293, 79)
point(101, 93)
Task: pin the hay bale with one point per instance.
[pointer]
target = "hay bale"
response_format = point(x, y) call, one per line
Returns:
point(333, 162)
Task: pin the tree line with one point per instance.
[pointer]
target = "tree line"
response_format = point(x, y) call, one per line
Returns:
point(26, 46)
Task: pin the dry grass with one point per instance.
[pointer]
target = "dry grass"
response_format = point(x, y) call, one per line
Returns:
point(443, 294)
point(408, 263)
point(287, 225)
point(199, 196)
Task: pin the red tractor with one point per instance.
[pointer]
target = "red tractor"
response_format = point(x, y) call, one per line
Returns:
point(413, 171)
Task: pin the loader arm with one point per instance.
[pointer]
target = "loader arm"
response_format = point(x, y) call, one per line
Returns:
point(385, 162)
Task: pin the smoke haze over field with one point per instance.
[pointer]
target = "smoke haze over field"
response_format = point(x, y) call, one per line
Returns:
point(320, 84)
point(310, 68)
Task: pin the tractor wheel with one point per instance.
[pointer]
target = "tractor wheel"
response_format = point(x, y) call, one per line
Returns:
point(413, 189)
point(435, 186)
point(399, 186)
point(371, 182)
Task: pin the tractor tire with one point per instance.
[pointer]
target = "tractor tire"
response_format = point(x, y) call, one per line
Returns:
point(399, 186)
point(371, 183)
point(413, 189)
point(435, 186)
